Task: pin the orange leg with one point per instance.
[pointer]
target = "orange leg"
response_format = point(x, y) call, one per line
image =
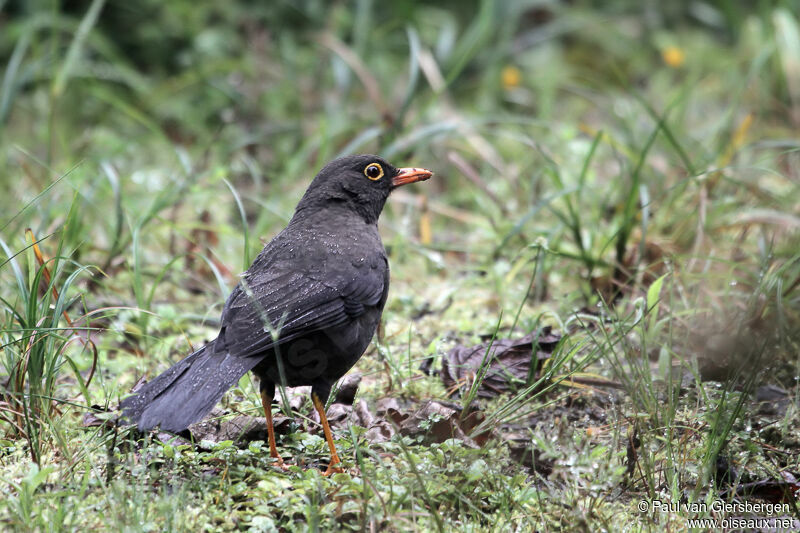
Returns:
point(332, 467)
point(273, 449)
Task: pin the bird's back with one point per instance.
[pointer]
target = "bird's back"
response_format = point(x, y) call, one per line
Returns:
point(322, 284)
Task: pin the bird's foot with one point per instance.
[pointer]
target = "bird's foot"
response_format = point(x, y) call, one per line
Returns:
point(334, 468)
point(280, 464)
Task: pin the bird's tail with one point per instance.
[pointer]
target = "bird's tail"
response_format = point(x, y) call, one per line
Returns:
point(187, 391)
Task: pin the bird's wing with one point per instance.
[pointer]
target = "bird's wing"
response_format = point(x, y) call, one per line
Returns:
point(274, 306)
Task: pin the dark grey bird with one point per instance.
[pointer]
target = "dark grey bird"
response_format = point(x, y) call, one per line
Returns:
point(303, 313)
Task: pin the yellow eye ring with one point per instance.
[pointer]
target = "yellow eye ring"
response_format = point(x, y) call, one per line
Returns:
point(373, 171)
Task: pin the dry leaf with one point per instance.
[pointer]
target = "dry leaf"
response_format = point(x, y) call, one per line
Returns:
point(509, 363)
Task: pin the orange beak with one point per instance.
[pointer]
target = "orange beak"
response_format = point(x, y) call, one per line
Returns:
point(405, 176)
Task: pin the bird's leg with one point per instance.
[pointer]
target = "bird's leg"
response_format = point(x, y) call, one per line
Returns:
point(326, 428)
point(266, 402)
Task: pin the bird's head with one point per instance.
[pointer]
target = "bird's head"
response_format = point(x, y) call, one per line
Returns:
point(361, 183)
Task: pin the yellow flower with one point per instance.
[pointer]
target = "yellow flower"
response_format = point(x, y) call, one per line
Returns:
point(673, 56)
point(511, 77)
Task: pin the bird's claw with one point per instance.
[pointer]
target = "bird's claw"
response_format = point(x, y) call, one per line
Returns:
point(280, 464)
point(333, 468)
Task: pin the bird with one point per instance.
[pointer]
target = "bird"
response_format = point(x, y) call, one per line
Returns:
point(303, 313)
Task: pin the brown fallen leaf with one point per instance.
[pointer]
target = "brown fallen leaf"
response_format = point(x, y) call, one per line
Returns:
point(437, 422)
point(509, 363)
point(241, 429)
point(341, 417)
point(100, 416)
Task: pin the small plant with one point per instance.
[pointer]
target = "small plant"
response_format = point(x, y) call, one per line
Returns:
point(35, 334)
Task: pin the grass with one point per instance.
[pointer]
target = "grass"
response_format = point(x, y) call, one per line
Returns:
point(628, 177)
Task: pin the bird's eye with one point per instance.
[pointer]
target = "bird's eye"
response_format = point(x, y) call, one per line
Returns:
point(373, 171)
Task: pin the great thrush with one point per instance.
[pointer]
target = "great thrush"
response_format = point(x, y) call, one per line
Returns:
point(302, 314)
